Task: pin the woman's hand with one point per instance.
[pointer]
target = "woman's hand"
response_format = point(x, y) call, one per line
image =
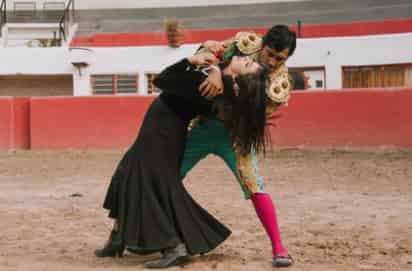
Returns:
point(203, 59)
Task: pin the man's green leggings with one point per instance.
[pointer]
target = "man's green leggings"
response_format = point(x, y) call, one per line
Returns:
point(210, 136)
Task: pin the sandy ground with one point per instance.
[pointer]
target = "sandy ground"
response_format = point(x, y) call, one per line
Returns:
point(338, 209)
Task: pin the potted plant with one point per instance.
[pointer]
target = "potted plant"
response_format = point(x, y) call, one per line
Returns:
point(174, 32)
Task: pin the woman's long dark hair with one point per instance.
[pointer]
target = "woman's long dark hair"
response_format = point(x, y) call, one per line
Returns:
point(245, 114)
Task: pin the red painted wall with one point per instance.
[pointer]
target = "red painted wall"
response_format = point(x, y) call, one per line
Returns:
point(86, 122)
point(327, 118)
point(318, 119)
point(5, 122)
point(14, 123)
point(197, 36)
point(21, 133)
point(346, 118)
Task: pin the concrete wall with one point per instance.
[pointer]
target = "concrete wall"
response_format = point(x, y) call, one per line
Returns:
point(86, 122)
point(35, 61)
point(333, 53)
point(36, 85)
point(330, 53)
point(5, 122)
point(14, 123)
point(130, 4)
point(345, 118)
point(359, 118)
point(19, 34)
point(108, 4)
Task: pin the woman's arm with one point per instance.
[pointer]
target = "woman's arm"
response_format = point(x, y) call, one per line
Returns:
point(173, 76)
point(215, 47)
point(184, 74)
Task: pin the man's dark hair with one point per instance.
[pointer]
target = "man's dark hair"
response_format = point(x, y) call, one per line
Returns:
point(280, 37)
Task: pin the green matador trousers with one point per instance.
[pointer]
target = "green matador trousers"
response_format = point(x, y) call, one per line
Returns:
point(210, 136)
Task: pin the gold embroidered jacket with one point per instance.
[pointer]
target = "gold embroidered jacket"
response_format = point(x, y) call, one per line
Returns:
point(278, 90)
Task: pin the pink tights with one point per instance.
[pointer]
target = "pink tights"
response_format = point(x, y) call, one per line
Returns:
point(266, 212)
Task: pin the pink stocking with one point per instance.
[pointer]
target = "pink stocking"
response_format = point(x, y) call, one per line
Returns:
point(266, 212)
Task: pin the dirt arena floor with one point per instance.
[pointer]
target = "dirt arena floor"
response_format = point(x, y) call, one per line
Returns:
point(338, 209)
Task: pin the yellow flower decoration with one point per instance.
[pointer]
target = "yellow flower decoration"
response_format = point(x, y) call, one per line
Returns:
point(279, 89)
point(248, 42)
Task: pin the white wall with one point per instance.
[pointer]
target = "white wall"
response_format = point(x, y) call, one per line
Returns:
point(120, 4)
point(331, 53)
point(34, 61)
point(18, 34)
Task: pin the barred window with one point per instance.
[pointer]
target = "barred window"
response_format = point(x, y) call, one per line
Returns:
point(115, 84)
point(127, 84)
point(102, 84)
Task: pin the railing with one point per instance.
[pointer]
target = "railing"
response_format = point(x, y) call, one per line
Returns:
point(66, 20)
point(3, 14)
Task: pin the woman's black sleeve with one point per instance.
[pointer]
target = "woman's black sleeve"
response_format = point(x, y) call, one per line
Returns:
point(179, 78)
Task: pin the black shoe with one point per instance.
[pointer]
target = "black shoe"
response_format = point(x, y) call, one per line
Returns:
point(113, 247)
point(282, 261)
point(142, 252)
point(171, 257)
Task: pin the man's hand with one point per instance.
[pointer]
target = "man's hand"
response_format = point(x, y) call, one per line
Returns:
point(213, 85)
point(203, 59)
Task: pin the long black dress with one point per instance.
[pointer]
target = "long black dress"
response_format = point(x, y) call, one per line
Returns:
point(146, 194)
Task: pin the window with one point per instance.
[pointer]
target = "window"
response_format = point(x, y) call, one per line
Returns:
point(308, 78)
point(102, 84)
point(377, 76)
point(115, 84)
point(362, 77)
point(151, 88)
point(393, 76)
point(127, 84)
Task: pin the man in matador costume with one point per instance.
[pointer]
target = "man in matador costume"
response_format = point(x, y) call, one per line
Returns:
point(208, 135)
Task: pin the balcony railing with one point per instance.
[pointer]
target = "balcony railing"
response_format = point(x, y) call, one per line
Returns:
point(66, 20)
point(3, 14)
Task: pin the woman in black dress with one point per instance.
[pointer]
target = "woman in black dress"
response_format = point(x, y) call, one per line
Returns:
point(146, 198)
